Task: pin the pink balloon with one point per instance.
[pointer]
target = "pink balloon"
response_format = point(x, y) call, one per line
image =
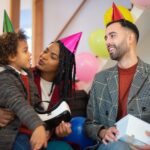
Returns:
point(86, 66)
point(141, 3)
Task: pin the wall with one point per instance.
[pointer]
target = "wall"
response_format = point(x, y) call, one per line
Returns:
point(89, 19)
point(143, 48)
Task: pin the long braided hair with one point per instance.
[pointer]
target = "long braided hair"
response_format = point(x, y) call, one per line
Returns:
point(65, 77)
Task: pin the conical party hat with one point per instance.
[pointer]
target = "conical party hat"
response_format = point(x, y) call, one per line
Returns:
point(7, 25)
point(116, 14)
point(71, 42)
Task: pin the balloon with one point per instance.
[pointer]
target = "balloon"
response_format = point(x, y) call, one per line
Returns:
point(86, 66)
point(78, 135)
point(124, 11)
point(81, 85)
point(97, 43)
point(141, 3)
point(60, 145)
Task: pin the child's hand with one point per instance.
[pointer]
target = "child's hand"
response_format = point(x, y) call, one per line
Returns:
point(39, 138)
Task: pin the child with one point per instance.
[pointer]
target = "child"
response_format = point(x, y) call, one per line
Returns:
point(17, 93)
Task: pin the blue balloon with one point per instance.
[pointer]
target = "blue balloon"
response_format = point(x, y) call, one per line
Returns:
point(78, 135)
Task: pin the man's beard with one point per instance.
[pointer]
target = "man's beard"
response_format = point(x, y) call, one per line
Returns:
point(120, 50)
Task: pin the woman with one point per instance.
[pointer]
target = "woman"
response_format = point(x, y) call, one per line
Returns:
point(54, 76)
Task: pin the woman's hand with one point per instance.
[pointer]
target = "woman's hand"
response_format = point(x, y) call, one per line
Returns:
point(63, 129)
point(6, 117)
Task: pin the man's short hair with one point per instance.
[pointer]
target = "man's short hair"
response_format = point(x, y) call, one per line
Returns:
point(127, 24)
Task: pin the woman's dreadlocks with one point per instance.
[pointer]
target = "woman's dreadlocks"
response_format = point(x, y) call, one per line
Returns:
point(65, 77)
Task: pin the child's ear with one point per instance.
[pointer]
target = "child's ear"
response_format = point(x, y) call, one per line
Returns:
point(12, 58)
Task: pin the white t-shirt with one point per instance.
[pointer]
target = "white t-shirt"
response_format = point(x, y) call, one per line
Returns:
point(45, 91)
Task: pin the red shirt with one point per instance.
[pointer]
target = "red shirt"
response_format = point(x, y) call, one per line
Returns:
point(26, 84)
point(25, 79)
point(125, 81)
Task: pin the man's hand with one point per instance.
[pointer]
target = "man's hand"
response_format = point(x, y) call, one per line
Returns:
point(146, 147)
point(63, 129)
point(6, 117)
point(108, 135)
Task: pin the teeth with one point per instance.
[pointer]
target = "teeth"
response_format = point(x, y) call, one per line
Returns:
point(111, 49)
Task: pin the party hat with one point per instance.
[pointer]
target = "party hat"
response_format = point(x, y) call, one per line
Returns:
point(7, 25)
point(116, 14)
point(71, 42)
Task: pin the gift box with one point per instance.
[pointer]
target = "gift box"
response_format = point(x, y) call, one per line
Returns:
point(132, 130)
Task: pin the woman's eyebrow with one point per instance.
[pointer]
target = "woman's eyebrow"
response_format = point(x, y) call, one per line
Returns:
point(54, 54)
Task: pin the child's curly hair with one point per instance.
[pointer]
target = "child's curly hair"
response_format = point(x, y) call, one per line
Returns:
point(9, 45)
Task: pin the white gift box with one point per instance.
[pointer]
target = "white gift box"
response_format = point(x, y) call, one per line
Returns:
point(132, 130)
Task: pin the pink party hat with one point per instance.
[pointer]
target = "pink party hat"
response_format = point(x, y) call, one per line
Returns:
point(116, 14)
point(71, 42)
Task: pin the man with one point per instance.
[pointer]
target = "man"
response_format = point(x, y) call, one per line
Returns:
point(120, 90)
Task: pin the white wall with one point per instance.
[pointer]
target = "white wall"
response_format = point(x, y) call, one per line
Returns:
point(56, 14)
point(89, 19)
point(4, 4)
point(143, 48)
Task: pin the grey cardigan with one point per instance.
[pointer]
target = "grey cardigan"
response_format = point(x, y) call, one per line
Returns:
point(102, 107)
point(13, 95)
